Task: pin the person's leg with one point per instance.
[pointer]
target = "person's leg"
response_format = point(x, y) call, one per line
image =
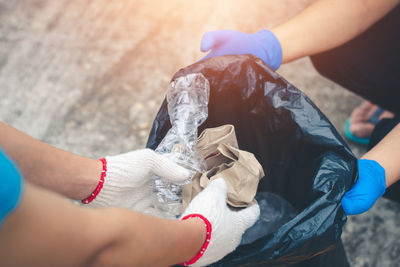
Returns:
point(363, 120)
point(369, 64)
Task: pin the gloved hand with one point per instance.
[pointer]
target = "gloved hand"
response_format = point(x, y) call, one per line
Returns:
point(227, 226)
point(371, 185)
point(128, 180)
point(262, 44)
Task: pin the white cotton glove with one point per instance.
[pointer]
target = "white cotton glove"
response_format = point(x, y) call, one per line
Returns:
point(129, 180)
point(227, 226)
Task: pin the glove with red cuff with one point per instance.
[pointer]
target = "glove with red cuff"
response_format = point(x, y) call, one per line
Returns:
point(224, 226)
point(127, 180)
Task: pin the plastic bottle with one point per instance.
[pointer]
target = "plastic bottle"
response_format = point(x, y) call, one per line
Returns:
point(187, 99)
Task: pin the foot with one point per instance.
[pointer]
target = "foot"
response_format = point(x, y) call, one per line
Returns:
point(361, 124)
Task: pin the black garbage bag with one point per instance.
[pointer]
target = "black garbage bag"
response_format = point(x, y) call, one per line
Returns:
point(305, 160)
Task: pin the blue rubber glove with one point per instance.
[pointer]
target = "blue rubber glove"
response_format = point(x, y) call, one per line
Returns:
point(262, 44)
point(10, 187)
point(371, 185)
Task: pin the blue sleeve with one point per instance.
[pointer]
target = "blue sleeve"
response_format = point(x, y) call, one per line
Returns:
point(10, 186)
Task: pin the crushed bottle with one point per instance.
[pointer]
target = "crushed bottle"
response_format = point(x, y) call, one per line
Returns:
point(187, 99)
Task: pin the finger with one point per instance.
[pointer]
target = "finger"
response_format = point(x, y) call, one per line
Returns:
point(351, 199)
point(209, 55)
point(216, 190)
point(165, 168)
point(355, 201)
point(248, 216)
point(213, 39)
point(348, 206)
point(213, 53)
point(208, 41)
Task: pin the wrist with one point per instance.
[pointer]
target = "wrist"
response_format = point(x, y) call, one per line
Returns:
point(96, 181)
point(202, 227)
point(382, 161)
point(292, 45)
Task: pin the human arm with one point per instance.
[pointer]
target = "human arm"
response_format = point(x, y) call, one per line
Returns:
point(378, 169)
point(71, 175)
point(326, 24)
point(47, 230)
point(387, 154)
point(127, 177)
point(323, 25)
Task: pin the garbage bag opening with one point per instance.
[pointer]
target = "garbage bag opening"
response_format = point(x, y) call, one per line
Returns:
point(305, 160)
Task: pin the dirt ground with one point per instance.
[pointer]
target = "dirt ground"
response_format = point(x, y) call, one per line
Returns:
point(88, 76)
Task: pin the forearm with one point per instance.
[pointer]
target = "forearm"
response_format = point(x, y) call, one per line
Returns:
point(47, 230)
point(387, 154)
point(326, 24)
point(143, 240)
point(71, 175)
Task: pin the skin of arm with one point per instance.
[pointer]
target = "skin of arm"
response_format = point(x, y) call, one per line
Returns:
point(71, 175)
point(48, 230)
point(326, 24)
point(387, 154)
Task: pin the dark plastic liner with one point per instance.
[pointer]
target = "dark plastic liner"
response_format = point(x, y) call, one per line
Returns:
point(305, 160)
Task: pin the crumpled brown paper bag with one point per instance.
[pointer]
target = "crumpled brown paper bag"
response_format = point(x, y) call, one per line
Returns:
point(240, 169)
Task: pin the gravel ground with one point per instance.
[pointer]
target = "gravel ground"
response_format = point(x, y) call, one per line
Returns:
point(88, 77)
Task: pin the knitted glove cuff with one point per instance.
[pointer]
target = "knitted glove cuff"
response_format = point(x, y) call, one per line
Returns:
point(109, 186)
point(206, 243)
point(100, 185)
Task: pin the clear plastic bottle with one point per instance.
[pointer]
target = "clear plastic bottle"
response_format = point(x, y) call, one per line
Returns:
point(187, 99)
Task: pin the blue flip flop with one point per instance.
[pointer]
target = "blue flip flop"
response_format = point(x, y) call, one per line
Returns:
point(361, 140)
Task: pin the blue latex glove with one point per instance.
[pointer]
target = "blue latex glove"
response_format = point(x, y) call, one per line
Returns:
point(262, 44)
point(371, 185)
point(10, 187)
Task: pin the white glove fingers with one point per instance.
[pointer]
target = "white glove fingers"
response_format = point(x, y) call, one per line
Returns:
point(165, 168)
point(217, 190)
point(247, 217)
point(211, 199)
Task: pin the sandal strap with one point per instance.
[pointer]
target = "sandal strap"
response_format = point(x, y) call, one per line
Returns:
point(375, 116)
